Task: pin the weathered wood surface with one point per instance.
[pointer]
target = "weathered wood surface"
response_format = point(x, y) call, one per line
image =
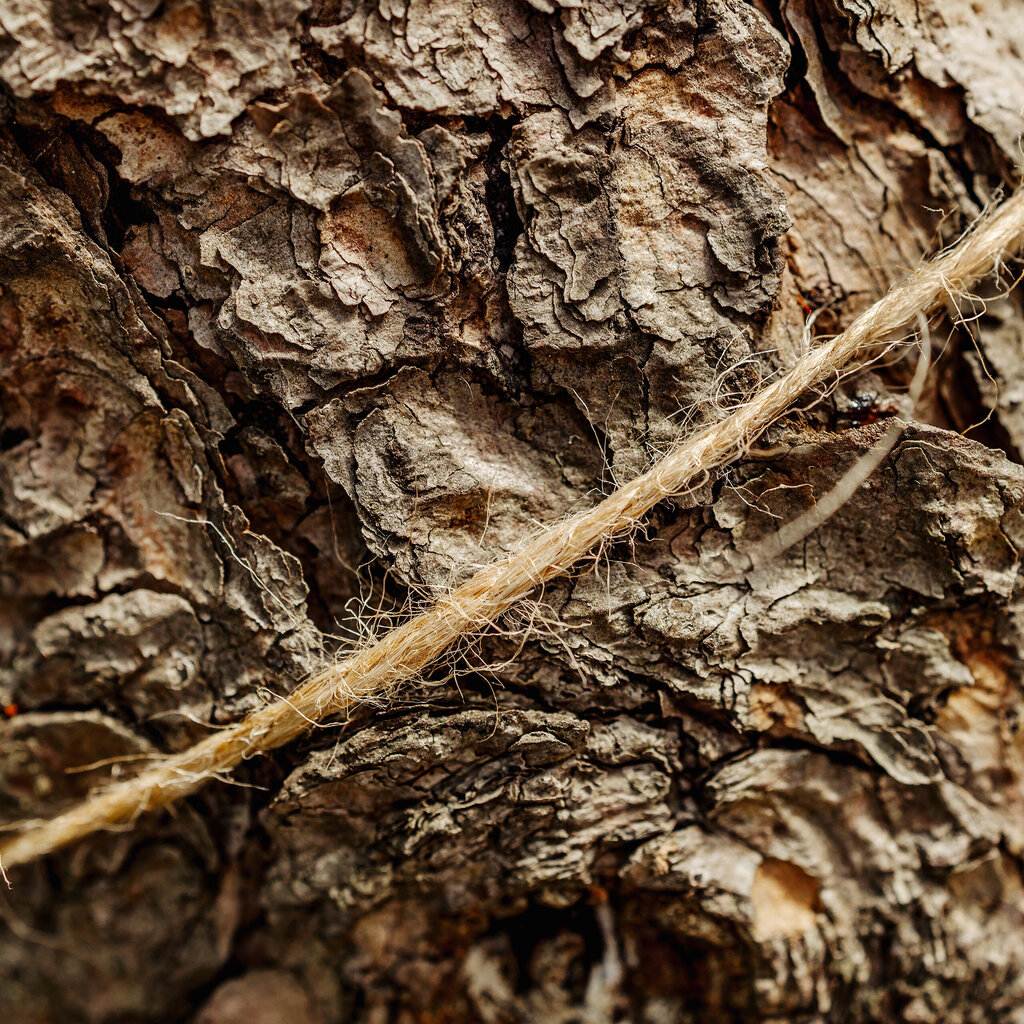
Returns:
point(378, 286)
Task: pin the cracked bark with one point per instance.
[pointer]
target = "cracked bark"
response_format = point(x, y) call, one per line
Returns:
point(366, 290)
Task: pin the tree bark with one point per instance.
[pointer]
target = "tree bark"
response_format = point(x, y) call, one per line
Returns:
point(307, 310)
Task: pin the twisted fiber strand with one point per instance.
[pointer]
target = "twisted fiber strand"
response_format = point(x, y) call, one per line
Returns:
point(405, 651)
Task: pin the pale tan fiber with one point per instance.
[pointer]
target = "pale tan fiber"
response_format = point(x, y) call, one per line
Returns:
point(404, 652)
point(825, 507)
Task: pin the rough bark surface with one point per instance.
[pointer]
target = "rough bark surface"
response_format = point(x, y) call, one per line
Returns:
point(302, 304)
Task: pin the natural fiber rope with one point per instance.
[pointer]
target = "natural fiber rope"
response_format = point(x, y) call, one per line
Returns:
point(404, 652)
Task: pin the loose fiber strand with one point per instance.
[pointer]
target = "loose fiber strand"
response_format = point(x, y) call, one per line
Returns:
point(400, 655)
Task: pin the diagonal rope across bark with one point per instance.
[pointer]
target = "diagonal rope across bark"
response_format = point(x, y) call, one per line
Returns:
point(404, 652)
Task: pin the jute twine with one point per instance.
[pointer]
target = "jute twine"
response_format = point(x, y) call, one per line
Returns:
point(374, 671)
